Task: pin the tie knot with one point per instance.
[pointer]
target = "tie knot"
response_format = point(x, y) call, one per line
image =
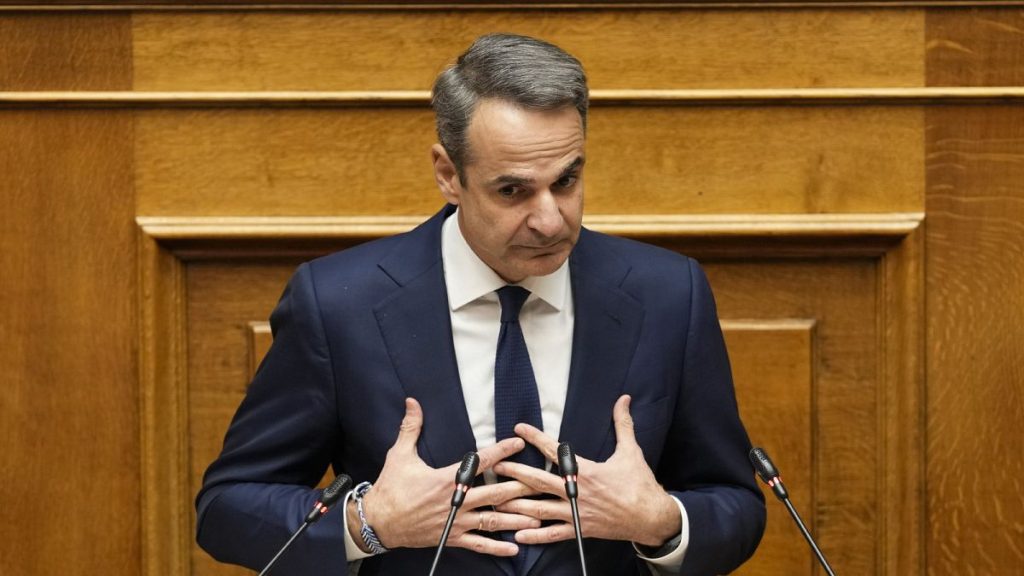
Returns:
point(512, 299)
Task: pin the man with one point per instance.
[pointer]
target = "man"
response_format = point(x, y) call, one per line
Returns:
point(394, 358)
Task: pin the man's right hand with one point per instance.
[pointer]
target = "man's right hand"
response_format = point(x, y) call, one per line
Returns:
point(410, 501)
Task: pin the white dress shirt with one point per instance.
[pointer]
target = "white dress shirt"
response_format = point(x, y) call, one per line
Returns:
point(547, 319)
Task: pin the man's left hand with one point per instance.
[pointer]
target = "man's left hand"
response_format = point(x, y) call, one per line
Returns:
point(619, 499)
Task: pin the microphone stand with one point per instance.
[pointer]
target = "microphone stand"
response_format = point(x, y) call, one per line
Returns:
point(331, 494)
point(568, 469)
point(770, 476)
point(463, 482)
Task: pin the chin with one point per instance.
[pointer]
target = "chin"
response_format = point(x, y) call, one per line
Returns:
point(548, 266)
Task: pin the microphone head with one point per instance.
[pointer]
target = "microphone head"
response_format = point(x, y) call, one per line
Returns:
point(467, 470)
point(336, 490)
point(567, 460)
point(763, 464)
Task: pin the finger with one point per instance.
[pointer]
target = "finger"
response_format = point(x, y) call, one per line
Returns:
point(412, 423)
point(539, 509)
point(496, 453)
point(535, 478)
point(546, 535)
point(547, 445)
point(490, 521)
point(483, 545)
point(494, 494)
point(624, 434)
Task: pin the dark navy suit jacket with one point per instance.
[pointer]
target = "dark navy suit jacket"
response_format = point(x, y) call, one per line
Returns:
point(358, 331)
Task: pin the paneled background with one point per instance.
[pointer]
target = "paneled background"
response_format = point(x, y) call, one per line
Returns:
point(850, 174)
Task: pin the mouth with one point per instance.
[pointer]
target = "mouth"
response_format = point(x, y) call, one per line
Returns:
point(540, 248)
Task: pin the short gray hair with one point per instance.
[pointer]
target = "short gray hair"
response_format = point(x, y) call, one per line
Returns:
point(517, 69)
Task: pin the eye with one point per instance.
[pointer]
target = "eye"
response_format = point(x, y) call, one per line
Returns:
point(509, 191)
point(567, 181)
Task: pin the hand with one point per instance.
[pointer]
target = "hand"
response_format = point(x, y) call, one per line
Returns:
point(619, 499)
point(410, 501)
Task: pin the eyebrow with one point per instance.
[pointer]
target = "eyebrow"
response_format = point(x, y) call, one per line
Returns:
point(507, 179)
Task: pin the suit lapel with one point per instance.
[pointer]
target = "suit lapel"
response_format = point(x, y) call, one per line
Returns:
point(607, 329)
point(416, 327)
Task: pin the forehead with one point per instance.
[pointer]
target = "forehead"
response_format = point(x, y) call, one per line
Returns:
point(506, 138)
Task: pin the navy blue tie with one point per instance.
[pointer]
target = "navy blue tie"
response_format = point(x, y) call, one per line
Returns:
point(515, 392)
point(515, 388)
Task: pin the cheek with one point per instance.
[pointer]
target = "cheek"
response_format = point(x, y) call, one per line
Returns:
point(572, 209)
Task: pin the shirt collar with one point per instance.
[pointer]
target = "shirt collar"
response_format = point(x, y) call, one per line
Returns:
point(475, 279)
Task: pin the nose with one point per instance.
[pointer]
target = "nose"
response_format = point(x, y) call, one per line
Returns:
point(545, 218)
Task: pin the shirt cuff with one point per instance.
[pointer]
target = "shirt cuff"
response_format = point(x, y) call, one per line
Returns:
point(669, 558)
point(352, 550)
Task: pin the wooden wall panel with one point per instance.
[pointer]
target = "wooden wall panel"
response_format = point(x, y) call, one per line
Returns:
point(71, 485)
point(975, 47)
point(259, 339)
point(975, 340)
point(975, 287)
point(75, 51)
point(841, 297)
point(70, 489)
point(642, 160)
point(285, 162)
point(403, 50)
point(773, 370)
point(753, 160)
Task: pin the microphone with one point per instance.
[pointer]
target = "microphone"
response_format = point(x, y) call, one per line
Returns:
point(338, 488)
point(464, 477)
point(568, 469)
point(770, 476)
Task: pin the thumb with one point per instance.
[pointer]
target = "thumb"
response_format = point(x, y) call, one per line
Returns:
point(409, 431)
point(623, 421)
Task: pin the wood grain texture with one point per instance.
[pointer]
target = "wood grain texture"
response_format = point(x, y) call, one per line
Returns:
point(67, 308)
point(975, 271)
point(260, 338)
point(975, 47)
point(841, 297)
point(680, 161)
point(74, 51)
point(167, 520)
point(901, 297)
point(68, 398)
point(975, 263)
point(773, 370)
point(396, 50)
point(250, 162)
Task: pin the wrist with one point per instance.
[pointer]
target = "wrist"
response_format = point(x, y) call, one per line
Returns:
point(354, 526)
point(368, 537)
point(665, 523)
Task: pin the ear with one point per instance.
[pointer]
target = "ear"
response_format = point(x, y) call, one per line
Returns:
point(445, 174)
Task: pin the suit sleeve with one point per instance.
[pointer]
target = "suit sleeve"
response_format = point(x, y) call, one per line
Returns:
point(705, 461)
point(278, 446)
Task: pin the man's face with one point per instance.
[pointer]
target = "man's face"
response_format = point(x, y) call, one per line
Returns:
point(521, 205)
